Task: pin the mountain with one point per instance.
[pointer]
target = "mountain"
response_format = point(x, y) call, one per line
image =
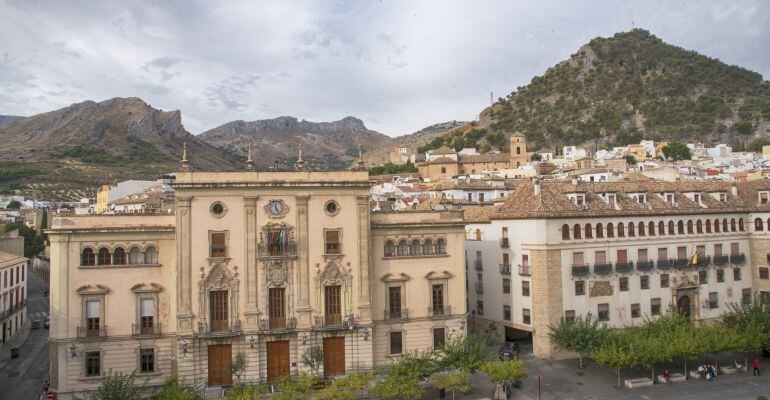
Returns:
point(90, 143)
point(381, 155)
point(629, 87)
point(7, 119)
point(324, 144)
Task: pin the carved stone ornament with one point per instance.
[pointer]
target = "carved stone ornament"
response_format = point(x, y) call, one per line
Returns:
point(600, 288)
point(276, 272)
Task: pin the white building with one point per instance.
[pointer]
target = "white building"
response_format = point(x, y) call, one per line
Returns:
point(13, 292)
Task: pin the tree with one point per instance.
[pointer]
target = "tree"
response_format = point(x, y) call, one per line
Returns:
point(117, 386)
point(536, 157)
point(174, 390)
point(13, 205)
point(451, 381)
point(581, 335)
point(247, 392)
point(313, 358)
point(631, 160)
point(238, 366)
point(744, 127)
point(615, 353)
point(501, 371)
point(752, 321)
point(677, 151)
point(295, 389)
point(465, 353)
point(403, 378)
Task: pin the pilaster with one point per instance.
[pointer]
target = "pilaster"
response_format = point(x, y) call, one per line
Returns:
point(547, 298)
point(303, 273)
point(364, 300)
point(183, 263)
point(250, 215)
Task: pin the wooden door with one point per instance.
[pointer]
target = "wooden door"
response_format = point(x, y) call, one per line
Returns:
point(278, 360)
point(277, 308)
point(333, 305)
point(334, 356)
point(218, 310)
point(220, 358)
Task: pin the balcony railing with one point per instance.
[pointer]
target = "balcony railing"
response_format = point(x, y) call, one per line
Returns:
point(603, 268)
point(138, 329)
point(333, 321)
point(703, 262)
point(682, 262)
point(624, 267)
point(286, 250)
point(580, 270)
point(478, 265)
point(737, 258)
point(647, 265)
point(85, 332)
point(14, 308)
point(278, 323)
point(397, 313)
point(721, 260)
point(505, 269)
point(439, 311)
point(504, 242)
point(219, 326)
point(479, 287)
point(524, 270)
point(665, 263)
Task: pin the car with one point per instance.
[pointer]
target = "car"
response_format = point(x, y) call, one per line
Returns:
point(508, 351)
point(47, 322)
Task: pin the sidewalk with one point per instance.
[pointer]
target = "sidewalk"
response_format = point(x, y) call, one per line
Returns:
point(18, 340)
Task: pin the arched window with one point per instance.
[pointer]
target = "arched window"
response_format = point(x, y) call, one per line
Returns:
point(689, 227)
point(599, 230)
point(414, 248)
point(589, 231)
point(680, 227)
point(565, 232)
point(651, 228)
point(478, 234)
point(427, 247)
point(119, 256)
point(670, 227)
point(621, 230)
point(708, 226)
point(135, 256)
point(402, 249)
point(724, 225)
point(717, 228)
point(741, 226)
point(518, 150)
point(631, 230)
point(661, 228)
point(441, 246)
point(390, 248)
point(699, 226)
point(104, 256)
point(732, 225)
point(641, 229)
point(759, 225)
point(87, 257)
point(576, 232)
point(610, 230)
point(151, 255)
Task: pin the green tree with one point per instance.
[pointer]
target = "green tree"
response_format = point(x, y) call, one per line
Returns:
point(615, 353)
point(117, 386)
point(507, 370)
point(581, 335)
point(403, 378)
point(33, 243)
point(248, 392)
point(174, 390)
point(744, 127)
point(313, 358)
point(295, 389)
point(631, 160)
point(451, 381)
point(13, 205)
point(677, 151)
point(465, 353)
point(238, 366)
point(536, 157)
point(348, 387)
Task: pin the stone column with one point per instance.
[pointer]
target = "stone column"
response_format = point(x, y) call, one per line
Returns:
point(547, 298)
point(250, 216)
point(303, 274)
point(183, 263)
point(364, 265)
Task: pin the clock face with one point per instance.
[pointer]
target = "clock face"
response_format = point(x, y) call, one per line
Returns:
point(275, 207)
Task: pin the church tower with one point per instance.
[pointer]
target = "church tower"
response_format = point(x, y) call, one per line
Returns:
point(518, 149)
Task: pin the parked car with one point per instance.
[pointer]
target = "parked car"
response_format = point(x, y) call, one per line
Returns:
point(47, 322)
point(508, 351)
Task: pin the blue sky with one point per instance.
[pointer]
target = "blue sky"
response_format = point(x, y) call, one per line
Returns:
point(397, 65)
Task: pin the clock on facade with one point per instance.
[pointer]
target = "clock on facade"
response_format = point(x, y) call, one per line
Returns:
point(276, 208)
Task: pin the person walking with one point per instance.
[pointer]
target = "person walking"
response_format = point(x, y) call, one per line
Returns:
point(756, 367)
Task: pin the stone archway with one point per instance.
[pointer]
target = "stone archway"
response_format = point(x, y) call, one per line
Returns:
point(683, 306)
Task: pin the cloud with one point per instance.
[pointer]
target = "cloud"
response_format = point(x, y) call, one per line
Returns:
point(162, 66)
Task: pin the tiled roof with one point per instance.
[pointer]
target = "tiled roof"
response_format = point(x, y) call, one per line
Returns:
point(489, 157)
point(444, 150)
point(442, 160)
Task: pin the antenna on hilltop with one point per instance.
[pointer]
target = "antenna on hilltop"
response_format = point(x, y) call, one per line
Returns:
point(633, 26)
point(491, 98)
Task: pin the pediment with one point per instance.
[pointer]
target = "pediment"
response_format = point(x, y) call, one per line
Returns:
point(432, 275)
point(92, 290)
point(147, 288)
point(389, 277)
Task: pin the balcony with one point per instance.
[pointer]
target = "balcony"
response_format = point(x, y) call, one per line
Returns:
point(94, 333)
point(139, 330)
point(333, 321)
point(396, 313)
point(504, 242)
point(682, 263)
point(624, 267)
point(479, 287)
point(505, 269)
point(219, 327)
point(738, 258)
point(603, 269)
point(524, 270)
point(439, 311)
point(282, 251)
point(703, 262)
point(478, 265)
point(278, 323)
point(646, 265)
point(721, 260)
point(580, 270)
point(665, 263)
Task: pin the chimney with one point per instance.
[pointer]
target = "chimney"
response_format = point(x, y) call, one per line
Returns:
point(536, 182)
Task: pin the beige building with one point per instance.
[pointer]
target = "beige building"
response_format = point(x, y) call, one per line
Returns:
point(265, 264)
point(13, 292)
point(444, 163)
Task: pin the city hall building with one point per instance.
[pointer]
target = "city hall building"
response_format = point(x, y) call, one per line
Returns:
point(268, 264)
point(622, 251)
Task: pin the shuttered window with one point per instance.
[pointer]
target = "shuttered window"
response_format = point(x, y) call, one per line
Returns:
point(332, 240)
point(396, 343)
point(218, 246)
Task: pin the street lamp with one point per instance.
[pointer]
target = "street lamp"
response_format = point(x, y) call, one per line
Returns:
point(183, 347)
point(366, 334)
point(73, 351)
point(252, 339)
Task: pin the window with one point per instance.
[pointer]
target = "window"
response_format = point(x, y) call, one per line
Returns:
point(403, 249)
point(610, 230)
point(622, 256)
point(636, 311)
point(147, 316)
point(331, 207)
point(577, 258)
point(93, 363)
point(717, 228)
point(655, 306)
point(394, 301)
point(735, 249)
point(333, 305)
point(623, 284)
point(414, 248)
point(589, 231)
point(702, 277)
point(662, 253)
point(396, 342)
point(135, 256)
point(218, 246)
point(104, 257)
point(689, 227)
point(443, 170)
point(746, 296)
point(717, 249)
point(641, 255)
point(565, 232)
point(427, 247)
point(644, 282)
point(441, 246)
point(580, 288)
point(661, 228)
point(736, 274)
point(681, 252)
point(480, 307)
point(759, 225)
point(713, 300)
point(604, 312)
point(764, 273)
point(763, 197)
point(741, 226)
point(641, 229)
point(119, 256)
point(600, 257)
point(576, 232)
point(389, 249)
point(569, 315)
point(437, 299)
point(93, 317)
point(525, 288)
point(651, 228)
point(664, 280)
point(680, 228)
point(599, 230)
point(146, 361)
point(478, 234)
point(507, 313)
point(732, 225)
point(276, 307)
point(524, 260)
point(87, 257)
point(439, 338)
point(720, 275)
point(621, 230)
point(219, 310)
point(332, 241)
point(525, 316)
point(671, 227)
point(151, 255)
point(506, 285)
point(708, 226)
point(631, 232)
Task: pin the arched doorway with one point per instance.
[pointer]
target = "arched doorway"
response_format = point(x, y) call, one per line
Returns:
point(683, 305)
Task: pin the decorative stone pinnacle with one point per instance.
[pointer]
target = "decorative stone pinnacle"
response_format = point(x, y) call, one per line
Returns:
point(360, 164)
point(300, 162)
point(250, 160)
point(185, 165)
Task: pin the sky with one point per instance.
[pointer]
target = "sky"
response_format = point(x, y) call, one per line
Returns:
point(397, 65)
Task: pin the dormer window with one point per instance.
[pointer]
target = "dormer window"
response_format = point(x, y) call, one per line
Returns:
point(611, 199)
point(719, 196)
point(578, 199)
point(696, 197)
point(639, 198)
point(669, 198)
point(764, 197)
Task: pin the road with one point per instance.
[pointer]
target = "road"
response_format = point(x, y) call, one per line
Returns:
point(22, 378)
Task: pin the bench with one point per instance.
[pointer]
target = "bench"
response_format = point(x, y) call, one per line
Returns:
point(673, 378)
point(728, 370)
point(695, 374)
point(638, 382)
